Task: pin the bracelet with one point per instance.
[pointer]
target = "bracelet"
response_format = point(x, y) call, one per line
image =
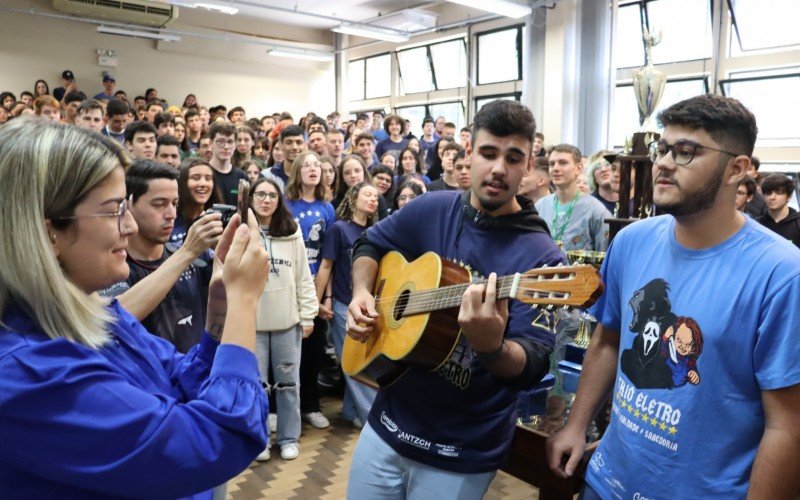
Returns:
point(491, 356)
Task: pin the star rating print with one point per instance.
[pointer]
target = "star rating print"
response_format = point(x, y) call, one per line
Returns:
point(645, 418)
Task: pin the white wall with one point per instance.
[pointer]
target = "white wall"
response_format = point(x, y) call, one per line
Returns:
point(218, 72)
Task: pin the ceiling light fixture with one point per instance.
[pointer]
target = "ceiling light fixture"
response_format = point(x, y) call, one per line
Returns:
point(371, 32)
point(501, 7)
point(302, 54)
point(218, 8)
point(154, 35)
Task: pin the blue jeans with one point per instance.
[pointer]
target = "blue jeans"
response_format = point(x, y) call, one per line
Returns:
point(281, 350)
point(358, 398)
point(379, 472)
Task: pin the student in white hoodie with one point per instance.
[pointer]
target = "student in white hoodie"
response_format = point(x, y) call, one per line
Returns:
point(286, 310)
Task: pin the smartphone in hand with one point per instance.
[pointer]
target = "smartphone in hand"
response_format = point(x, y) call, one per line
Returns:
point(243, 202)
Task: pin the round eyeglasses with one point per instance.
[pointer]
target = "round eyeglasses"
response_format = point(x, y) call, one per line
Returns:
point(120, 214)
point(683, 151)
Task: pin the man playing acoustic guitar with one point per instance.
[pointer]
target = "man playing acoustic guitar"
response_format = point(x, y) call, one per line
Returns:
point(446, 432)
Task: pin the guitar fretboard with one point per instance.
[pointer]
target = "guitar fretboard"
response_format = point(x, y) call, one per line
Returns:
point(450, 296)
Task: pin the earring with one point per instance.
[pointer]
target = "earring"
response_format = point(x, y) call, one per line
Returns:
point(53, 238)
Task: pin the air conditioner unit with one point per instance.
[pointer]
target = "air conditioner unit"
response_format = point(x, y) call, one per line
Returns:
point(139, 12)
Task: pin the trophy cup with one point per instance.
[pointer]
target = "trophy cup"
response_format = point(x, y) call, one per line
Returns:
point(648, 86)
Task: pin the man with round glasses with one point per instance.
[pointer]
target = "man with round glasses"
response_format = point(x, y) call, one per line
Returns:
point(696, 342)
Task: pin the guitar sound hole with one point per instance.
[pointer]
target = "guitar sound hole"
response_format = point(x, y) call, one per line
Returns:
point(400, 306)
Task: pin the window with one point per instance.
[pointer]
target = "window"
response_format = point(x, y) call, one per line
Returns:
point(628, 44)
point(686, 25)
point(415, 70)
point(452, 111)
point(415, 115)
point(773, 100)
point(625, 120)
point(433, 67)
point(370, 77)
point(500, 56)
point(759, 26)
point(355, 80)
point(450, 64)
point(480, 101)
point(379, 76)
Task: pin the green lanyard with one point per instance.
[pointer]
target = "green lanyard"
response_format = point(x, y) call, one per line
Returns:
point(559, 233)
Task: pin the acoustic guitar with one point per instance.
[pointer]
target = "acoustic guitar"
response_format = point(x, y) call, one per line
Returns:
point(418, 302)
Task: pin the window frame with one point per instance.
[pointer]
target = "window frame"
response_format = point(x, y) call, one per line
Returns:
point(431, 65)
point(478, 36)
point(364, 76)
point(516, 95)
point(396, 110)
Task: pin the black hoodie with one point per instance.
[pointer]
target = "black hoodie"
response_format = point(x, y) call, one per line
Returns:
point(788, 228)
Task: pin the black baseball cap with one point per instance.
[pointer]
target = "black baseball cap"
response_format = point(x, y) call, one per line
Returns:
point(108, 78)
point(67, 75)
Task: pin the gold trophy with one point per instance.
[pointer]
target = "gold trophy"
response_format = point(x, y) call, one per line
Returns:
point(584, 323)
point(649, 84)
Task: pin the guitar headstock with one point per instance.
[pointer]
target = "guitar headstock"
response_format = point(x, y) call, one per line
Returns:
point(560, 286)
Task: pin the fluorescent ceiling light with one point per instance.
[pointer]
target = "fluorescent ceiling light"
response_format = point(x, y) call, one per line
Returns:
point(370, 32)
point(224, 9)
point(111, 30)
point(218, 8)
point(501, 7)
point(302, 54)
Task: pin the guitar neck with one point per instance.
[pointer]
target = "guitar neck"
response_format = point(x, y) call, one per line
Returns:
point(451, 296)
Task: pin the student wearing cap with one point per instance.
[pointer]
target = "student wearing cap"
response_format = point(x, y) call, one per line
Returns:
point(109, 87)
point(67, 85)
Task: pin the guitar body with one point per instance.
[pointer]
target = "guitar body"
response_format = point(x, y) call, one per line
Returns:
point(397, 341)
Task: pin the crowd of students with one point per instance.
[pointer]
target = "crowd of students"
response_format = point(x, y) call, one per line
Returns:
point(316, 187)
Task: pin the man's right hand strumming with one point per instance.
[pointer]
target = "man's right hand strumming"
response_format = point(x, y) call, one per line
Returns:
point(361, 315)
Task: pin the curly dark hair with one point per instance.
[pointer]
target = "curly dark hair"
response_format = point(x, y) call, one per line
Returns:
point(347, 208)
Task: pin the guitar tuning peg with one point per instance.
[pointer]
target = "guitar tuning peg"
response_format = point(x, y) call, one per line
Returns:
point(565, 308)
point(535, 307)
point(549, 307)
point(560, 264)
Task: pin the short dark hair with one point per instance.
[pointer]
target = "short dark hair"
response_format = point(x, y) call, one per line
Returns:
point(25, 93)
point(90, 105)
point(777, 183)
point(539, 135)
point(727, 121)
point(450, 125)
point(755, 162)
point(749, 185)
point(286, 116)
point(460, 154)
point(223, 128)
point(191, 113)
point(167, 140)
point(163, 118)
point(427, 119)
point(141, 172)
point(118, 92)
point(75, 95)
point(466, 129)
point(570, 149)
point(154, 102)
point(292, 131)
point(318, 120)
point(504, 118)
point(362, 116)
point(543, 165)
point(364, 136)
point(117, 107)
point(138, 127)
point(234, 110)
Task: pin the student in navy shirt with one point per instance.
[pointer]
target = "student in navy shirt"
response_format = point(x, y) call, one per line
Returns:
point(433, 433)
point(126, 414)
point(358, 211)
point(306, 199)
point(393, 125)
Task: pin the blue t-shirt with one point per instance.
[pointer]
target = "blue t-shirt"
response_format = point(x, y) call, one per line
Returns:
point(314, 219)
point(702, 334)
point(338, 247)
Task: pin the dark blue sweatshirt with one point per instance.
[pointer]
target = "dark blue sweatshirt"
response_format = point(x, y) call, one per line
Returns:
point(460, 417)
